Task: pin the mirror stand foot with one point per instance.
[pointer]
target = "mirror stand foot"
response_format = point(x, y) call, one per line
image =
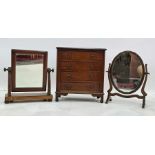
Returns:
point(108, 99)
point(6, 102)
point(143, 105)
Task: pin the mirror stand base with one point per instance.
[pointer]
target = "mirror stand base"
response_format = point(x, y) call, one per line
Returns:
point(142, 97)
point(125, 96)
point(29, 98)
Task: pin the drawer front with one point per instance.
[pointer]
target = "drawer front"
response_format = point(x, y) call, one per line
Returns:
point(81, 76)
point(81, 66)
point(81, 87)
point(80, 56)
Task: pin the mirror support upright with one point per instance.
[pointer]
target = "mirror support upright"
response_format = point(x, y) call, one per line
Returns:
point(49, 70)
point(143, 87)
point(9, 80)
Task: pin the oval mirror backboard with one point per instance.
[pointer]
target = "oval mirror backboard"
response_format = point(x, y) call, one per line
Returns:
point(127, 72)
point(29, 70)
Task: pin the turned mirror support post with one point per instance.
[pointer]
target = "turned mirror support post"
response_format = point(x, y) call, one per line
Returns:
point(110, 84)
point(143, 87)
point(49, 80)
point(9, 80)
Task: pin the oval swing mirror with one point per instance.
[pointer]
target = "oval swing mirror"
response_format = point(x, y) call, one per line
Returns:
point(127, 72)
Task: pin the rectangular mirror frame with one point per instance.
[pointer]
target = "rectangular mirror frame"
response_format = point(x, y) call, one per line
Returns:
point(13, 64)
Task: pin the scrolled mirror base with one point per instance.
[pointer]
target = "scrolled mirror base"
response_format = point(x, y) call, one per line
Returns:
point(143, 96)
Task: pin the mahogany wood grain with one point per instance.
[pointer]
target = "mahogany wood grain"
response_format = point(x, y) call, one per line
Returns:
point(80, 71)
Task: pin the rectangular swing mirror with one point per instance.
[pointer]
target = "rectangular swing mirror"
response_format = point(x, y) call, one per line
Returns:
point(29, 70)
point(28, 73)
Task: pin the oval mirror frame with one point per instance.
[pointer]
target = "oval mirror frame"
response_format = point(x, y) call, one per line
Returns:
point(142, 77)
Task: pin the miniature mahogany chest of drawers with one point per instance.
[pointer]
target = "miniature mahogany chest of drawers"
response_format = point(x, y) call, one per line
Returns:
point(80, 71)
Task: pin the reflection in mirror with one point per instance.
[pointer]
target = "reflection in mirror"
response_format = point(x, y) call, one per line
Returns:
point(127, 72)
point(29, 70)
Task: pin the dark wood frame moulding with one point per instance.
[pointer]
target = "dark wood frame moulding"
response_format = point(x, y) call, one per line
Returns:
point(128, 94)
point(12, 78)
point(13, 66)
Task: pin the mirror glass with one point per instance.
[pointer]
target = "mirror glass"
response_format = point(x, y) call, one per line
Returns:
point(29, 70)
point(127, 72)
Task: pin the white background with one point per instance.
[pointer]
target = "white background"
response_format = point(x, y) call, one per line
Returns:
point(77, 135)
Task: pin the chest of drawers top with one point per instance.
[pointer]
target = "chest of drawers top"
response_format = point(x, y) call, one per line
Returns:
point(80, 54)
point(84, 49)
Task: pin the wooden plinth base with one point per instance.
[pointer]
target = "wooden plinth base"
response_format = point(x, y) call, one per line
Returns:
point(26, 97)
